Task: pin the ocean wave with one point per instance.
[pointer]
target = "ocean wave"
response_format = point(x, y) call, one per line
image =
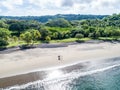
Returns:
point(59, 83)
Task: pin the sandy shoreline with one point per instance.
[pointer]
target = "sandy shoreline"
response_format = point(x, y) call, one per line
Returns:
point(41, 58)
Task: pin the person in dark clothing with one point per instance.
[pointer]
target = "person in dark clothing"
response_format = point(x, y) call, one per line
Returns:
point(59, 57)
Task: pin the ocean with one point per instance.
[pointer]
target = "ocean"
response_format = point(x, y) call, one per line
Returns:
point(89, 75)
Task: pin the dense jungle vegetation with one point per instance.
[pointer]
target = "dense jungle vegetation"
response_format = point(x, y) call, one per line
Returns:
point(15, 31)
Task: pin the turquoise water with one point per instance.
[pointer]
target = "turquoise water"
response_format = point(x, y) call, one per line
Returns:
point(107, 80)
point(99, 75)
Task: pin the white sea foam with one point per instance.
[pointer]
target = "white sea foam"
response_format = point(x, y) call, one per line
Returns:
point(58, 82)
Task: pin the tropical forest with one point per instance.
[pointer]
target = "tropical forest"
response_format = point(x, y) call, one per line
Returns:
point(18, 31)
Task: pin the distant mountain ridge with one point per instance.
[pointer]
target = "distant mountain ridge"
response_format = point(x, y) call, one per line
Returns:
point(45, 18)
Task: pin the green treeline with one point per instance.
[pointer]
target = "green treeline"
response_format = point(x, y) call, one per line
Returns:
point(44, 19)
point(17, 32)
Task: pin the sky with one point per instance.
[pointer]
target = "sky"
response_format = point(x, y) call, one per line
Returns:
point(52, 7)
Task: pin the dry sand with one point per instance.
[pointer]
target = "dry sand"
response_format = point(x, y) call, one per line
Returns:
point(44, 58)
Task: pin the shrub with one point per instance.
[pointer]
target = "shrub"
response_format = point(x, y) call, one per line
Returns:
point(3, 43)
point(79, 36)
point(47, 39)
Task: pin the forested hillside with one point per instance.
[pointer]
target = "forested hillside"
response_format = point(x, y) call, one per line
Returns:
point(69, 17)
point(29, 32)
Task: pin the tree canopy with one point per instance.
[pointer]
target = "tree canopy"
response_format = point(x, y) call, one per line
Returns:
point(31, 31)
point(58, 23)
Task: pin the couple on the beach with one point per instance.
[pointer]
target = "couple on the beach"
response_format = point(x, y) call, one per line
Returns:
point(59, 57)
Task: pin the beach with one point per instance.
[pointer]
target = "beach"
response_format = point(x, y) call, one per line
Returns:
point(37, 59)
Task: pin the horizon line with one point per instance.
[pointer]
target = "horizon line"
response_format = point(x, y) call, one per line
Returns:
point(53, 15)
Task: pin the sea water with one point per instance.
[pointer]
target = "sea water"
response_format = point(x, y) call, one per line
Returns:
point(94, 75)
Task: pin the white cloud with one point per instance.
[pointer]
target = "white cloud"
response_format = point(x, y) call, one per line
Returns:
point(50, 7)
point(9, 4)
point(105, 6)
point(72, 2)
point(46, 3)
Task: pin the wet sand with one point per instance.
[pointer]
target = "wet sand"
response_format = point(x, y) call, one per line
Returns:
point(32, 60)
point(39, 78)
